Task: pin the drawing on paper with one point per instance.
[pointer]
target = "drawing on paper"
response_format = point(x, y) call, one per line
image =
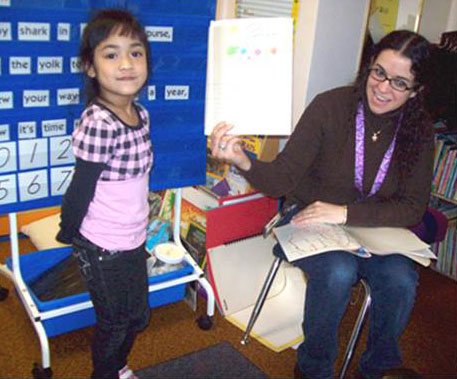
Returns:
point(317, 238)
point(314, 239)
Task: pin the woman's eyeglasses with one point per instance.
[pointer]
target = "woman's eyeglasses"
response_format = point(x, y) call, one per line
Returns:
point(398, 84)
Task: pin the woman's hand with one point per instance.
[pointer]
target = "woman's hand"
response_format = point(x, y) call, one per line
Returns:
point(227, 147)
point(319, 212)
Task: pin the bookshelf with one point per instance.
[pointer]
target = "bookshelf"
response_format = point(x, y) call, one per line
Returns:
point(444, 199)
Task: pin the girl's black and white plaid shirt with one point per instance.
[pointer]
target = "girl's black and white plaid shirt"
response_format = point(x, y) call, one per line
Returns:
point(102, 137)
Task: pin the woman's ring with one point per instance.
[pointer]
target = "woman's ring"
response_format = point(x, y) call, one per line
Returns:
point(222, 146)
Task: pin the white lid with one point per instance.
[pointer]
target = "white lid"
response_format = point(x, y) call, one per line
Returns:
point(169, 252)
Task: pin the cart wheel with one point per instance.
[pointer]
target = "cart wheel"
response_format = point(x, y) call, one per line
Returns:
point(3, 293)
point(39, 372)
point(205, 322)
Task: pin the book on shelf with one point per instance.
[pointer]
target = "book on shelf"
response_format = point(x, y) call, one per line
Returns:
point(448, 185)
point(447, 208)
point(301, 242)
point(232, 199)
point(446, 250)
point(442, 148)
point(215, 168)
point(193, 230)
point(196, 239)
point(200, 198)
point(448, 163)
point(440, 127)
point(445, 166)
point(438, 146)
point(224, 179)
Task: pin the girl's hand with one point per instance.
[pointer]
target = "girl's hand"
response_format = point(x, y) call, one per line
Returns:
point(319, 212)
point(227, 147)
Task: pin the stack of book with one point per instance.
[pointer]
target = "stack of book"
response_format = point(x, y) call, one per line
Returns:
point(208, 220)
point(446, 251)
point(445, 167)
point(223, 179)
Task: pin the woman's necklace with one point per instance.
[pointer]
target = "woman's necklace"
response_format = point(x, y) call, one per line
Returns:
point(375, 135)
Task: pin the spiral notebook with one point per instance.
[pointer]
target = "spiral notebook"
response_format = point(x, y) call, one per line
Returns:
point(237, 272)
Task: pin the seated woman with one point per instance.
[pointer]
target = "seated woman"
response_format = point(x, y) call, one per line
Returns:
point(360, 155)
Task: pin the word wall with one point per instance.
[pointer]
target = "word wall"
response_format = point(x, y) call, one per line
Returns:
point(41, 99)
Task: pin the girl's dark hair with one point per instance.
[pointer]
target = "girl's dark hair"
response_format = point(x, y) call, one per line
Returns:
point(100, 27)
point(416, 122)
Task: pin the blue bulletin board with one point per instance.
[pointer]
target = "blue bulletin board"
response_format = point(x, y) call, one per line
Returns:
point(41, 93)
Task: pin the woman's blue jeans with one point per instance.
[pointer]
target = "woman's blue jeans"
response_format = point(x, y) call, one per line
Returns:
point(330, 278)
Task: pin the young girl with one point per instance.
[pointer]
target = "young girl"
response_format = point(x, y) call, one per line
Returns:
point(105, 209)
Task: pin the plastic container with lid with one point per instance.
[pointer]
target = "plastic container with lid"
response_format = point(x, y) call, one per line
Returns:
point(165, 257)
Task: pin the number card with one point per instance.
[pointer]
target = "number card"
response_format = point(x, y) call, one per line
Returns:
point(8, 157)
point(60, 180)
point(61, 152)
point(7, 189)
point(33, 185)
point(33, 153)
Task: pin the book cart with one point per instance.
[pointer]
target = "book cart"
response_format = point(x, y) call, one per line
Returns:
point(41, 99)
point(55, 317)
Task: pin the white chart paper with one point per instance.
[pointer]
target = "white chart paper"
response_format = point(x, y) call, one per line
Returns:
point(249, 75)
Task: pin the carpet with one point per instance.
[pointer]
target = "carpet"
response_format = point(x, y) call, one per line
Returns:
point(218, 361)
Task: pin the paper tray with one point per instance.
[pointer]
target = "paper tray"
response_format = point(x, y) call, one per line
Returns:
point(34, 264)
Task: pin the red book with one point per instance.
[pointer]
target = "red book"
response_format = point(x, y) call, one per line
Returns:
point(232, 199)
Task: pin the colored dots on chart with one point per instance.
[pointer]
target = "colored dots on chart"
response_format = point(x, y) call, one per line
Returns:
point(231, 50)
point(235, 50)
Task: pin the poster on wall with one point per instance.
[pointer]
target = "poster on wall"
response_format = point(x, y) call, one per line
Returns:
point(383, 18)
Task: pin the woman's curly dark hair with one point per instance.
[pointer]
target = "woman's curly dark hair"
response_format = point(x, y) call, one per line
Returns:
point(416, 123)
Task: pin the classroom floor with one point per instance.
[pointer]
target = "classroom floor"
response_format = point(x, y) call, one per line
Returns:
point(429, 344)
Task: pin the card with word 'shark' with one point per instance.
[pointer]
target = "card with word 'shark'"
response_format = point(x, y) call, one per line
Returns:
point(249, 75)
